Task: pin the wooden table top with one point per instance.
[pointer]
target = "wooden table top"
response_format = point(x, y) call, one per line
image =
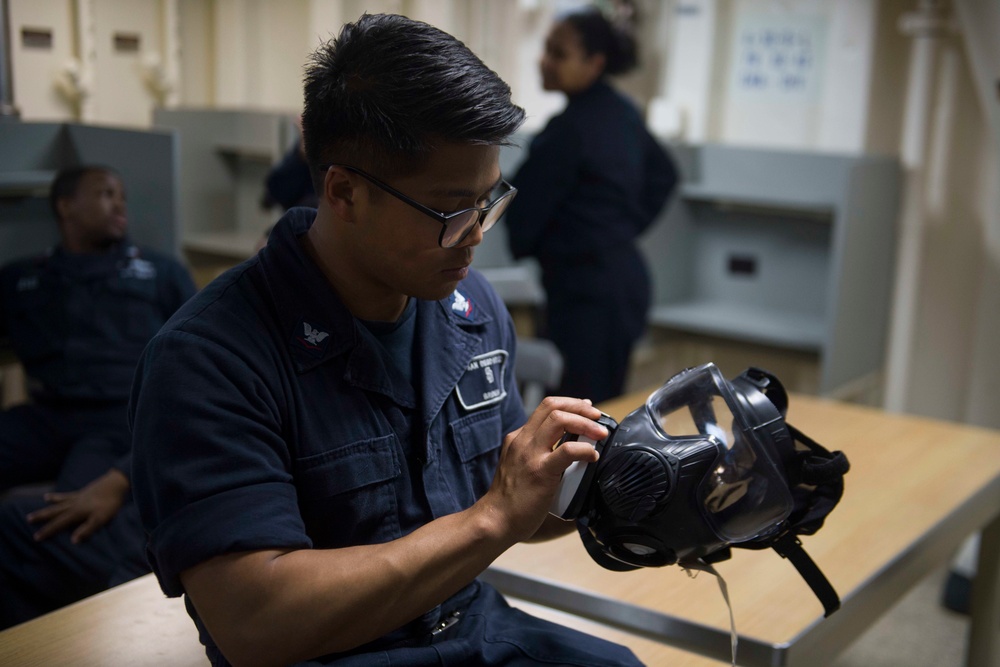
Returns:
point(909, 475)
point(134, 624)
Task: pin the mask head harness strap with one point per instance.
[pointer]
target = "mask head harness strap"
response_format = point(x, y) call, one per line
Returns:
point(816, 479)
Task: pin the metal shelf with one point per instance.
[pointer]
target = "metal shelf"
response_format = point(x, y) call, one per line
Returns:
point(30, 183)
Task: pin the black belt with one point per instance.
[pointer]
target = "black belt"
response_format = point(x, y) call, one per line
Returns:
point(421, 631)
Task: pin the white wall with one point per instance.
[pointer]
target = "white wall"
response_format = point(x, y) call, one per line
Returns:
point(525, 81)
point(851, 97)
point(34, 69)
point(953, 258)
point(796, 74)
point(260, 48)
point(121, 96)
point(980, 23)
point(888, 81)
point(944, 358)
point(196, 20)
point(86, 60)
point(684, 108)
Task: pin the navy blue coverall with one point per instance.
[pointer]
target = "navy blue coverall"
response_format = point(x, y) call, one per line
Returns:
point(593, 180)
point(265, 416)
point(77, 323)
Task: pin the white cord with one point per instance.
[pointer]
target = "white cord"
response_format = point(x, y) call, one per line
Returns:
point(707, 567)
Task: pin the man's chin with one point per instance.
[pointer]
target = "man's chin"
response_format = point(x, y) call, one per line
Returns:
point(437, 293)
point(110, 241)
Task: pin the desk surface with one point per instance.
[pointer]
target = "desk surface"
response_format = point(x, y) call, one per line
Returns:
point(133, 624)
point(916, 488)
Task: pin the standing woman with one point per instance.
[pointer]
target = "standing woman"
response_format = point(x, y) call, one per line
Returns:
point(593, 180)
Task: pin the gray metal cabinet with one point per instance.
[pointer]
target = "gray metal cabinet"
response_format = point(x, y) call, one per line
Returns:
point(786, 249)
point(225, 155)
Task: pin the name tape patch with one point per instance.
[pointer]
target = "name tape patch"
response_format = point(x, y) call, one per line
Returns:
point(483, 382)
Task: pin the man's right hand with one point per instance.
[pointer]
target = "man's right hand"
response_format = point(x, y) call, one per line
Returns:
point(531, 465)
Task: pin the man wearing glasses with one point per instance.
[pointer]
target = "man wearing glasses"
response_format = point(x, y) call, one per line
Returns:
point(329, 444)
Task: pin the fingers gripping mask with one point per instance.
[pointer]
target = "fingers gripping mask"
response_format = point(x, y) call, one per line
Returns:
point(704, 465)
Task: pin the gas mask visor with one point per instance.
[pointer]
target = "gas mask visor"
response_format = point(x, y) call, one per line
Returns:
point(743, 493)
point(703, 465)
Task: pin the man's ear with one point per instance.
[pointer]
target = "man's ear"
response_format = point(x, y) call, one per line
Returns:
point(339, 191)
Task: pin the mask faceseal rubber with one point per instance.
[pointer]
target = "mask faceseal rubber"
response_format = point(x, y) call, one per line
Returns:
point(704, 465)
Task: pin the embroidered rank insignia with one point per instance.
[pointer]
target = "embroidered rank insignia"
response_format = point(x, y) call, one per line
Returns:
point(461, 305)
point(139, 269)
point(483, 382)
point(312, 339)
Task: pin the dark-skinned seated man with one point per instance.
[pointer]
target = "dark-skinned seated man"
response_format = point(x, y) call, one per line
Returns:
point(77, 318)
point(329, 446)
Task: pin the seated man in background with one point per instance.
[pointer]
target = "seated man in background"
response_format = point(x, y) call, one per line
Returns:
point(77, 318)
point(329, 444)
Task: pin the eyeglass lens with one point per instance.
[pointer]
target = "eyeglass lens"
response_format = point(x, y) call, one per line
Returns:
point(459, 227)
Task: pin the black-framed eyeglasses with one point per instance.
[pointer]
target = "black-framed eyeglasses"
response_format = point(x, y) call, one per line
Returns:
point(455, 226)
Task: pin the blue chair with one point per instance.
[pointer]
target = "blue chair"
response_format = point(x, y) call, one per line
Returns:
point(538, 370)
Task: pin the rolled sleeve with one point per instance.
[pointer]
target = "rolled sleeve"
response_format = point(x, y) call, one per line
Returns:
point(210, 470)
point(244, 519)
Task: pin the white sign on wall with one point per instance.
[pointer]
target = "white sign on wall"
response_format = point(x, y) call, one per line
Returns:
point(778, 57)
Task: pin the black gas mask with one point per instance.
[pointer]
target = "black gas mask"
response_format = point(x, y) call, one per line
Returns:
point(704, 465)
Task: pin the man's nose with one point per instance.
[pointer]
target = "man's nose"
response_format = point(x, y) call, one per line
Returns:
point(474, 237)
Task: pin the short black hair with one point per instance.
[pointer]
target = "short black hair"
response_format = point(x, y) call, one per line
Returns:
point(380, 94)
point(599, 35)
point(67, 181)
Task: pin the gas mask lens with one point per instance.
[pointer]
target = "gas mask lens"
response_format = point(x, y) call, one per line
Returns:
point(742, 494)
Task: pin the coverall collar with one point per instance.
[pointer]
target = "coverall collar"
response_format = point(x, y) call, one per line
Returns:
point(320, 327)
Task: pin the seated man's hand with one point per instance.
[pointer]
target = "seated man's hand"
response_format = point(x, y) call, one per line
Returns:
point(88, 509)
point(531, 465)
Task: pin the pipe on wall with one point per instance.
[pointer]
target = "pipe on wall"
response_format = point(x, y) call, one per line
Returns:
point(8, 110)
point(926, 26)
point(86, 50)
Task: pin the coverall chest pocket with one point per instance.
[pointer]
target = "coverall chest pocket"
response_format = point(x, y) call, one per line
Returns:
point(347, 495)
point(39, 325)
point(477, 439)
point(132, 303)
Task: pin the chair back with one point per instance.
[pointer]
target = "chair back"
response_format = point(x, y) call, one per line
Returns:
point(538, 369)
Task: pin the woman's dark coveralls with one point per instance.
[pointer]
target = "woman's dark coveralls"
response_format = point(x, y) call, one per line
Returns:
point(77, 323)
point(289, 182)
point(593, 180)
point(265, 416)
